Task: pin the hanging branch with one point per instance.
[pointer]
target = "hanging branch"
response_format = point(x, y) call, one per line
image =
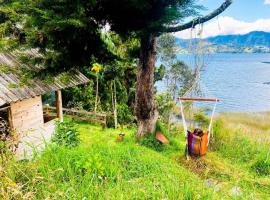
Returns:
point(200, 20)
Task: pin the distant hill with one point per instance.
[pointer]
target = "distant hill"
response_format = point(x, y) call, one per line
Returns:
point(253, 42)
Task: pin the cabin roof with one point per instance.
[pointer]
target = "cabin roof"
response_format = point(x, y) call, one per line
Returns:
point(10, 84)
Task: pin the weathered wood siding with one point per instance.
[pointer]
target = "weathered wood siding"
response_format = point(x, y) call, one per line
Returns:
point(27, 114)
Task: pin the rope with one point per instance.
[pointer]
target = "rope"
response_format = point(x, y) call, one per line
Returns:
point(183, 118)
point(211, 122)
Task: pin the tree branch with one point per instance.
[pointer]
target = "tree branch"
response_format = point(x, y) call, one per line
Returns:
point(200, 20)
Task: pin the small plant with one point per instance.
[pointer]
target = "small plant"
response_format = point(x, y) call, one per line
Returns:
point(66, 134)
point(150, 141)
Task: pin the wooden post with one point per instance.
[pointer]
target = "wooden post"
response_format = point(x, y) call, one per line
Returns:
point(59, 105)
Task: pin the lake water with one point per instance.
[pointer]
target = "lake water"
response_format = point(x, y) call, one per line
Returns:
point(238, 80)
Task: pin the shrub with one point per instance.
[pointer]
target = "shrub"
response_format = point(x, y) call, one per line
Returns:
point(125, 115)
point(66, 134)
point(150, 141)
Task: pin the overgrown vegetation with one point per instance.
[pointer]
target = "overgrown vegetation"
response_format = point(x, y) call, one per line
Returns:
point(66, 134)
point(102, 167)
point(239, 147)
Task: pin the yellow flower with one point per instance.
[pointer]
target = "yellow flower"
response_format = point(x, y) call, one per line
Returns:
point(96, 68)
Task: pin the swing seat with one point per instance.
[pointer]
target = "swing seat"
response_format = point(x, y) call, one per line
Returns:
point(197, 145)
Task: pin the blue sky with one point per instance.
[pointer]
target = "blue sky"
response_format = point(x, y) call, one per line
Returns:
point(241, 17)
point(245, 10)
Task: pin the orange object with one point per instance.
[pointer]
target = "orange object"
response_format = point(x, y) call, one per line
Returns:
point(197, 99)
point(120, 137)
point(197, 145)
point(160, 137)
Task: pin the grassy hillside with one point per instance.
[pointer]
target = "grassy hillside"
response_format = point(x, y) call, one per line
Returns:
point(237, 167)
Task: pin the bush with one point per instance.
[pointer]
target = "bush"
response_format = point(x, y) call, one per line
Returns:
point(150, 141)
point(125, 115)
point(66, 134)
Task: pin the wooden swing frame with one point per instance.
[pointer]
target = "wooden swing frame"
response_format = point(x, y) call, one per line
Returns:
point(180, 99)
point(197, 99)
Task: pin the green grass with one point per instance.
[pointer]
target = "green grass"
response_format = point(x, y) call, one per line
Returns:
point(104, 168)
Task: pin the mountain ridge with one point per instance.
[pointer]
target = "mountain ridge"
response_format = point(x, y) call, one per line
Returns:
point(253, 42)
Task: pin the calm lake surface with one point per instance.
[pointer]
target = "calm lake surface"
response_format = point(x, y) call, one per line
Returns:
point(240, 81)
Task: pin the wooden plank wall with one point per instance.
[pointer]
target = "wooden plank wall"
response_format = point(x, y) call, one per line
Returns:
point(27, 114)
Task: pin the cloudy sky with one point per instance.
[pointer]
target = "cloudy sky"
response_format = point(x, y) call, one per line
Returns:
point(243, 16)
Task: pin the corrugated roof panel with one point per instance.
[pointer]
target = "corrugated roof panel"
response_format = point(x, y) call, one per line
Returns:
point(10, 90)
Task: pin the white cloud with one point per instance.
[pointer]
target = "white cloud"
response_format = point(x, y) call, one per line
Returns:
point(227, 25)
point(267, 2)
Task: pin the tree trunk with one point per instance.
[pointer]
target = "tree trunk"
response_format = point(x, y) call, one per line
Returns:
point(96, 100)
point(115, 105)
point(145, 105)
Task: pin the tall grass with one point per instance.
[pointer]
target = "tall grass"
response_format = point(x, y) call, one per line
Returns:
point(105, 170)
point(239, 147)
point(102, 167)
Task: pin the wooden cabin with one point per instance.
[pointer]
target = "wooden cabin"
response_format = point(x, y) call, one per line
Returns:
point(21, 106)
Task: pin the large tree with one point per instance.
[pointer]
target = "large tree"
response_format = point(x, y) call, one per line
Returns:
point(68, 33)
point(148, 19)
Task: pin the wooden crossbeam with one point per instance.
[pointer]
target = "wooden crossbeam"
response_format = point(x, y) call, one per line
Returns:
point(197, 99)
point(83, 115)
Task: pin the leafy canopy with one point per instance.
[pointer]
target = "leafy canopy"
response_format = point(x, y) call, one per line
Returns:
point(144, 16)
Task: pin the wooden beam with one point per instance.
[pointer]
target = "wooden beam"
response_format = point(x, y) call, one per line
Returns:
point(197, 99)
point(59, 105)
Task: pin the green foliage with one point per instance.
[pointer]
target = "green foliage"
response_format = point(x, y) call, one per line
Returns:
point(124, 114)
point(101, 168)
point(262, 167)
point(144, 17)
point(122, 71)
point(239, 148)
point(80, 97)
point(159, 73)
point(165, 106)
point(201, 120)
point(150, 140)
point(65, 42)
point(180, 77)
point(166, 48)
point(177, 75)
point(66, 134)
